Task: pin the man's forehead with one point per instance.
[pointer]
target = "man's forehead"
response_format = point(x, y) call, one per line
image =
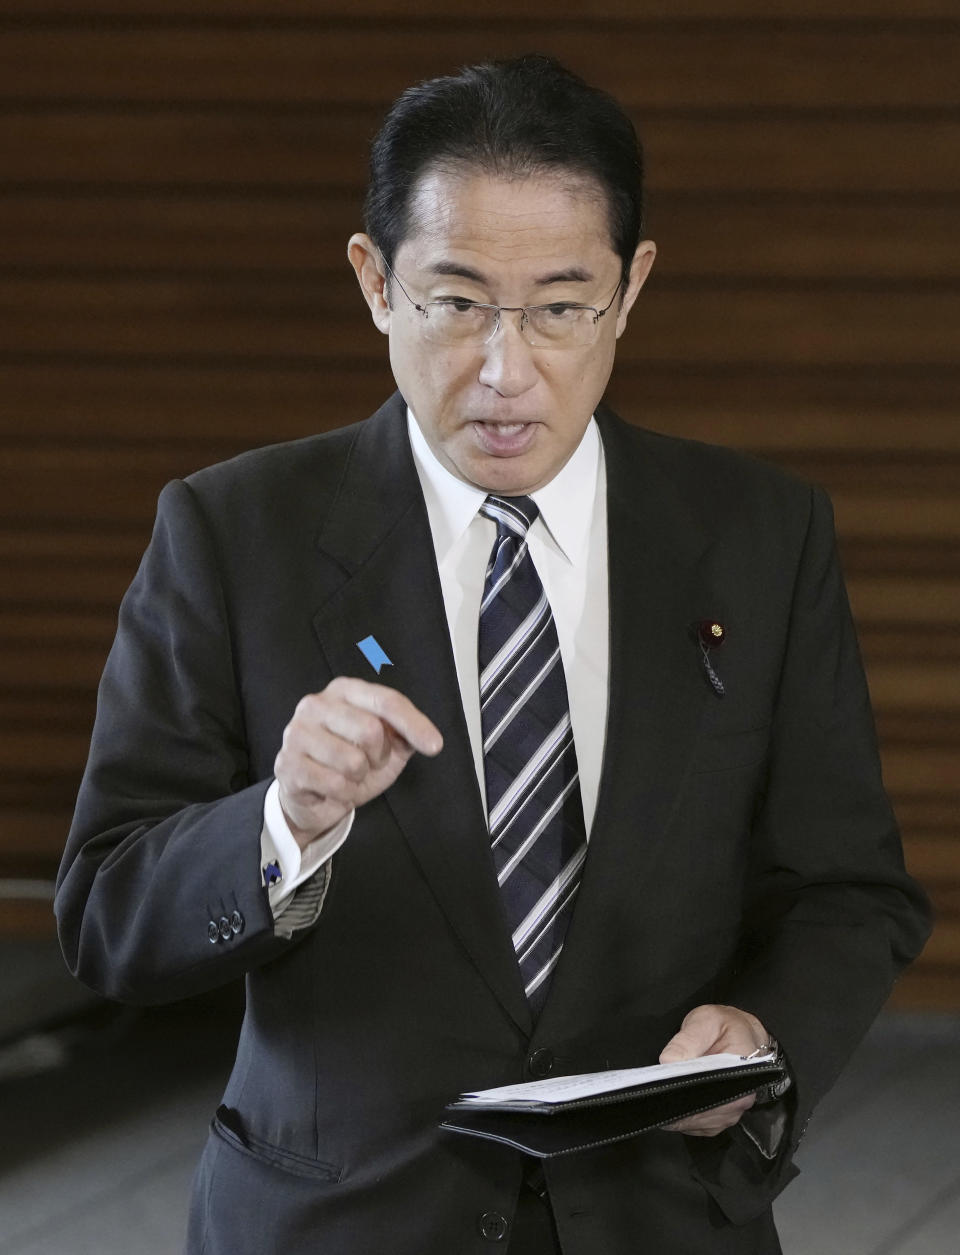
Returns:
point(548, 214)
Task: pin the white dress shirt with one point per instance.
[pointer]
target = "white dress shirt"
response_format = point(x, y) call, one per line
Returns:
point(568, 545)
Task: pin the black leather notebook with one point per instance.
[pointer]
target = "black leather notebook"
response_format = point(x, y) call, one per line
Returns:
point(573, 1113)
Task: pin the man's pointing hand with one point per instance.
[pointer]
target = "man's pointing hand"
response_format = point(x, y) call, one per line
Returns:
point(343, 747)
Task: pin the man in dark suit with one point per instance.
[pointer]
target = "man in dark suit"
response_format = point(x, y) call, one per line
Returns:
point(642, 819)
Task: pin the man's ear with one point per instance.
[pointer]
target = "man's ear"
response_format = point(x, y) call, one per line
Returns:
point(643, 259)
point(364, 257)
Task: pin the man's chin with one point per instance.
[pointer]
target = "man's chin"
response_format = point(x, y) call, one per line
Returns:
point(513, 477)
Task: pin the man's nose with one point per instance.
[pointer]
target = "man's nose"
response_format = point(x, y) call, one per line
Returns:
point(508, 364)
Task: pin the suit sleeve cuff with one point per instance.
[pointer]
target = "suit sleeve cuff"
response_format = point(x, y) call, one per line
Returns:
point(766, 1127)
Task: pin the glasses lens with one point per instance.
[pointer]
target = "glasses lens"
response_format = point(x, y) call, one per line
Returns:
point(459, 322)
point(560, 326)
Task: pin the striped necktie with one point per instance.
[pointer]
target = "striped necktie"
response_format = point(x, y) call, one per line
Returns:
point(535, 814)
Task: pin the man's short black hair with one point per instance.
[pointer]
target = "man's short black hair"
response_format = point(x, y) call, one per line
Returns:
point(525, 116)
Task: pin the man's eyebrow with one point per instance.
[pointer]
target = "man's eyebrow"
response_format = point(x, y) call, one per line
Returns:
point(573, 274)
point(456, 269)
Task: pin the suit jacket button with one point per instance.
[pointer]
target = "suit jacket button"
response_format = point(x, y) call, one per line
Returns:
point(213, 932)
point(540, 1063)
point(493, 1226)
point(236, 923)
point(226, 932)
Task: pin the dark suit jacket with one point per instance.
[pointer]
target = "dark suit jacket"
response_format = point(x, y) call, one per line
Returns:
point(742, 851)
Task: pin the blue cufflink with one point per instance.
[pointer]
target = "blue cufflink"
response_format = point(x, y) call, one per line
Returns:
point(272, 874)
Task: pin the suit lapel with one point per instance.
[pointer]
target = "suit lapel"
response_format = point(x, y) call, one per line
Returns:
point(378, 531)
point(657, 692)
point(657, 688)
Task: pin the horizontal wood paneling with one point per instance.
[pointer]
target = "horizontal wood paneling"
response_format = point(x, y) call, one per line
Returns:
point(867, 240)
point(771, 66)
point(943, 948)
point(537, 15)
point(909, 600)
point(177, 183)
point(931, 517)
point(65, 588)
point(26, 918)
point(907, 643)
point(702, 153)
point(927, 988)
point(931, 857)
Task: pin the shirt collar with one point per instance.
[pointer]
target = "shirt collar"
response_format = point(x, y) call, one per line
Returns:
point(566, 502)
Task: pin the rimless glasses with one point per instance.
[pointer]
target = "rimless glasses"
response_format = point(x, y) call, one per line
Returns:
point(559, 325)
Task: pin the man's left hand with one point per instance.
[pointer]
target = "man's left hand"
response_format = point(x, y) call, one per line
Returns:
point(711, 1030)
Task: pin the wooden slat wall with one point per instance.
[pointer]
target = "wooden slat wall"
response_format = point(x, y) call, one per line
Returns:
point(177, 183)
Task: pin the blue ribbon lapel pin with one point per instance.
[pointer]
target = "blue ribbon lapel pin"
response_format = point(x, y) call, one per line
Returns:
point(374, 653)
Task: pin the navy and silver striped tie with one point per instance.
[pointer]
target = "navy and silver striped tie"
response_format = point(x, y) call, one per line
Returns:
point(535, 814)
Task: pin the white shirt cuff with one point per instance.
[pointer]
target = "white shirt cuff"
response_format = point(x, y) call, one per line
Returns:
point(283, 865)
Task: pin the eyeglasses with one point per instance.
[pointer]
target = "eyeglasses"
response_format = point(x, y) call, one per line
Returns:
point(560, 325)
